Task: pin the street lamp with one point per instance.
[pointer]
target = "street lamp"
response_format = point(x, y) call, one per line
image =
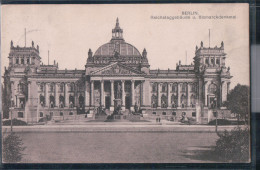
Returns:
point(215, 105)
point(12, 100)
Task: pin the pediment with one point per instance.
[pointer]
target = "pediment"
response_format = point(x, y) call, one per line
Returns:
point(117, 69)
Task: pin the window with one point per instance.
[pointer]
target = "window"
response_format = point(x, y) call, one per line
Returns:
point(193, 87)
point(164, 101)
point(193, 114)
point(51, 88)
point(17, 61)
point(174, 88)
point(174, 113)
point(71, 113)
point(154, 113)
point(61, 113)
point(183, 101)
point(154, 101)
point(42, 100)
point(207, 61)
point(184, 87)
point(41, 114)
point(212, 88)
point(154, 87)
point(72, 87)
point(28, 61)
point(164, 87)
point(22, 61)
point(212, 61)
point(164, 113)
point(61, 88)
point(20, 114)
point(41, 87)
point(217, 61)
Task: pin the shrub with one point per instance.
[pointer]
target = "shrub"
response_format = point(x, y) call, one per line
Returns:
point(233, 146)
point(12, 148)
point(16, 122)
point(220, 122)
point(43, 119)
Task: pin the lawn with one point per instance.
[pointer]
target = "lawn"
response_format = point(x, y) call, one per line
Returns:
point(119, 147)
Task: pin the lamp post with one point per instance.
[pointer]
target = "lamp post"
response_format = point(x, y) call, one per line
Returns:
point(12, 100)
point(215, 105)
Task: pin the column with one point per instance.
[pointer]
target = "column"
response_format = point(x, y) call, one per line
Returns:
point(142, 101)
point(29, 93)
point(188, 95)
point(169, 95)
point(133, 92)
point(102, 93)
point(12, 94)
point(123, 94)
point(56, 94)
point(87, 94)
point(47, 97)
point(112, 95)
point(92, 93)
point(159, 94)
point(149, 95)
point(206, 94)
point(223, 91)
point(179, 94)
point(66, 96)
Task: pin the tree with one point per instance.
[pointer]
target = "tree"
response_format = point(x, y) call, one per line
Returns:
point(12, 148)
point(234, 145)
point(238, 101)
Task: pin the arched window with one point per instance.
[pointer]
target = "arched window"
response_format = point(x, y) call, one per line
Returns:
point(212, 88)
point(154, 101)
point(42, 100)
point(183, 101)
point(164, 87)
point(174, 101)
point(71, 101)
point(42, 87)
point(61, 87)
point(81, 101)
point(61, 100)
point(20, 87)
point(51, 87)
point(192, 101)
point(71, 87)
point(52, 101)
point(164, 101)
point(174, 87)
point(193, 87)
point(184, 87)
point(154, 87)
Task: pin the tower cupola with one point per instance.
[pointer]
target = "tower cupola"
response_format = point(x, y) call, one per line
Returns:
point(117, 32)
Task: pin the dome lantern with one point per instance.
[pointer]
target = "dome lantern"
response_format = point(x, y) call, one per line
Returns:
point(117, 32)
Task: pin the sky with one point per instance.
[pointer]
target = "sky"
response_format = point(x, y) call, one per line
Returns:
point(68, 31)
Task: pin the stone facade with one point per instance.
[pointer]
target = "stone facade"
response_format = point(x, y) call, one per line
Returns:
point(117, 75)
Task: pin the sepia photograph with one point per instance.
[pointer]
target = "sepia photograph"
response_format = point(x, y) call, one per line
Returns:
point(125, 83)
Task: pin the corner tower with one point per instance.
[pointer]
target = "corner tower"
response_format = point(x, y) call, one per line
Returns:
point(213, 75)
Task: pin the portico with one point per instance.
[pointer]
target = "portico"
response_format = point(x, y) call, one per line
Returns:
point(111, 92)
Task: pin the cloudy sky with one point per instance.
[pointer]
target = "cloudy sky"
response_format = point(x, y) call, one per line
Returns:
point(68, 31)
